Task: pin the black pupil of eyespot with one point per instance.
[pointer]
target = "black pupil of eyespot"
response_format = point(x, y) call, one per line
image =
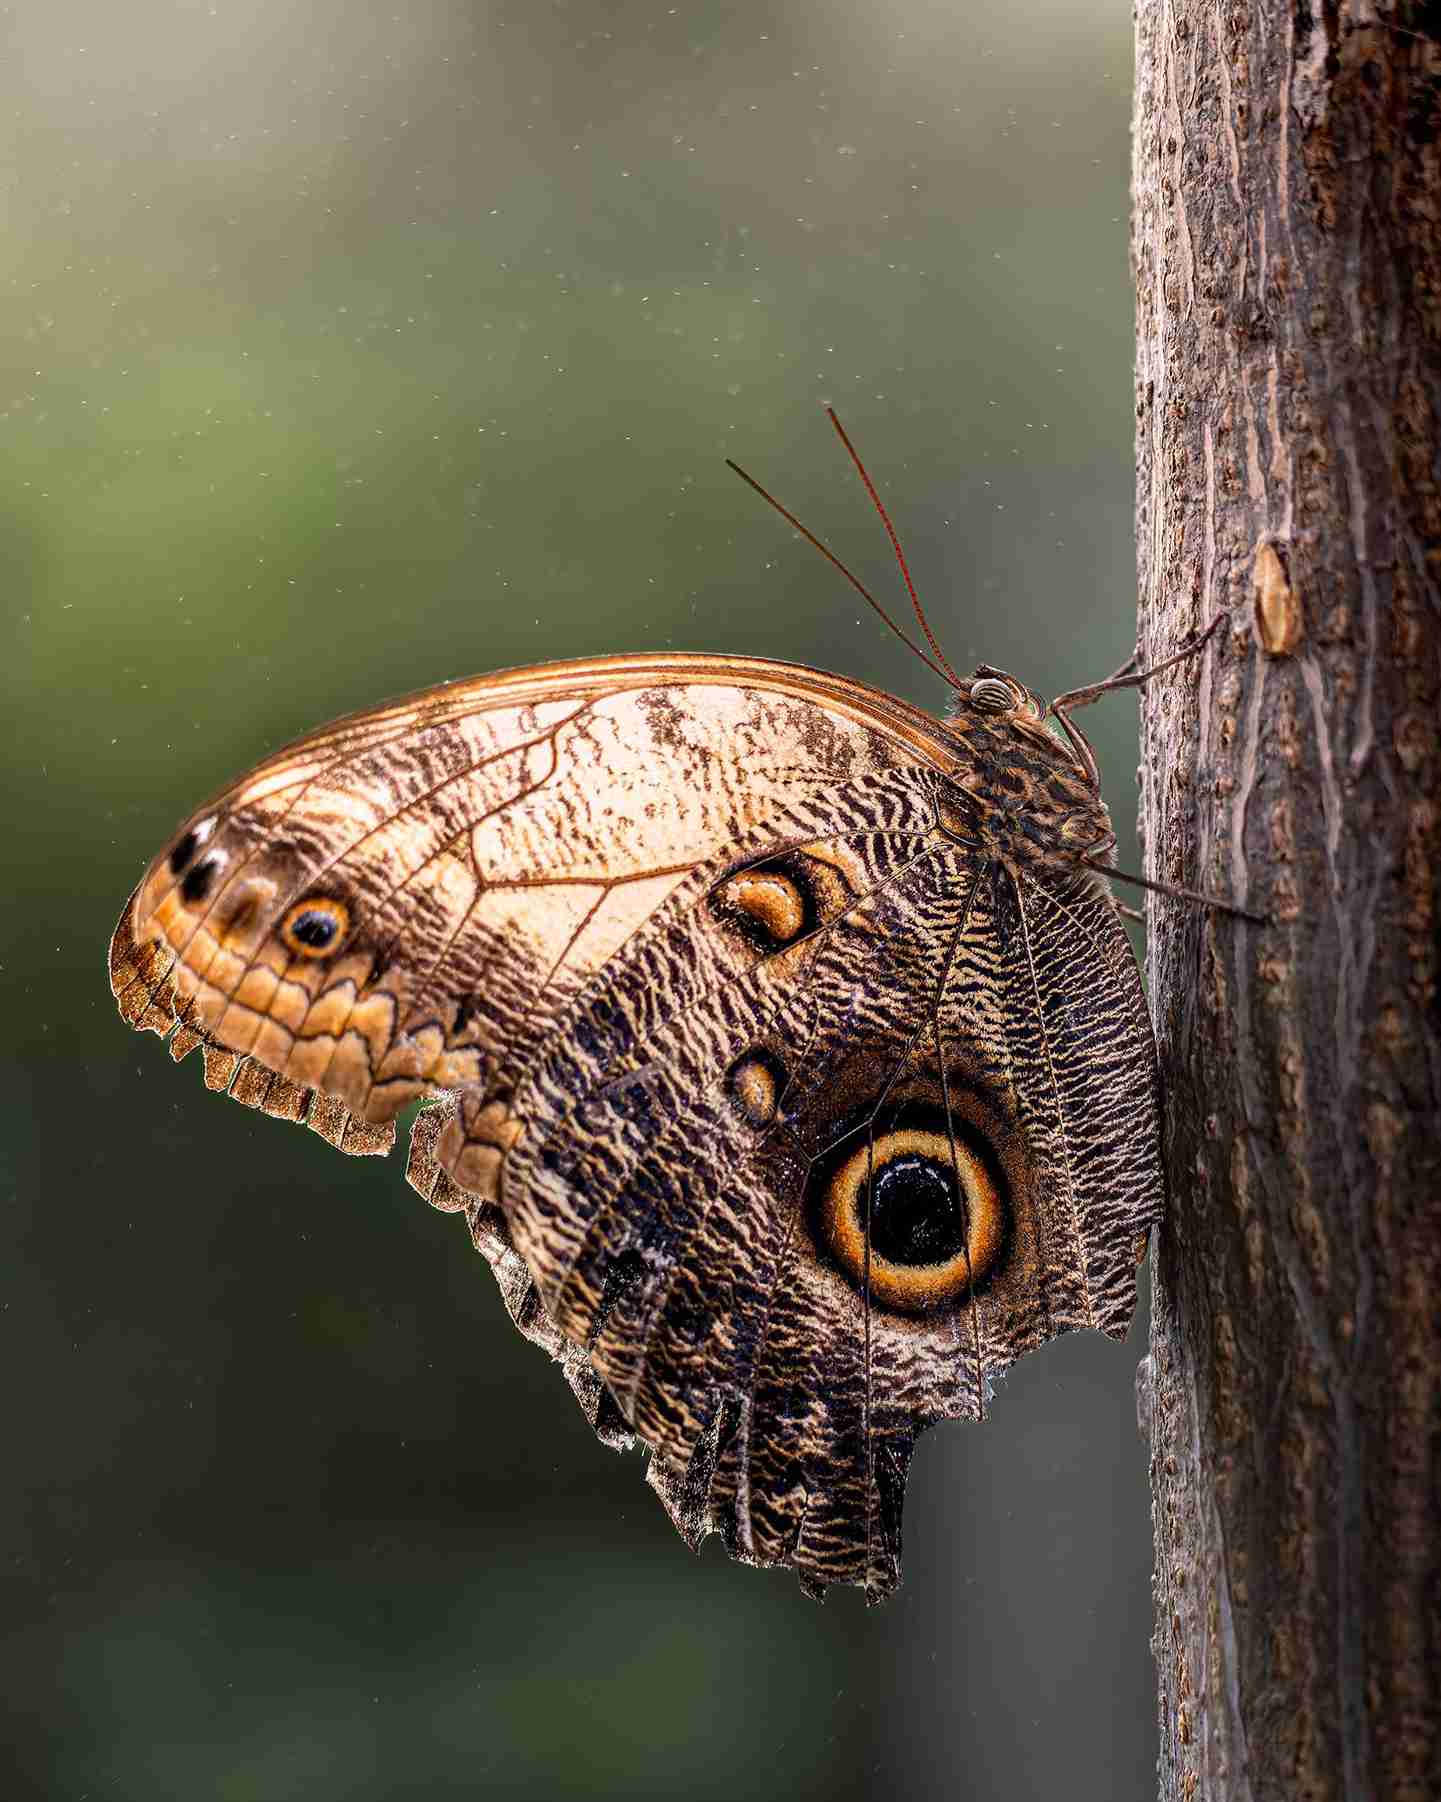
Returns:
point(314, 928)
point(915, 1216)
point(196, 884)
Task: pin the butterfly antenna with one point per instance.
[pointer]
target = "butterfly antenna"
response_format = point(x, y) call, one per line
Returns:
point(880, 506)
point(942, 669)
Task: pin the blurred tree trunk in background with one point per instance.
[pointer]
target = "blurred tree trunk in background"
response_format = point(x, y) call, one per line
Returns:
point(1287, 252)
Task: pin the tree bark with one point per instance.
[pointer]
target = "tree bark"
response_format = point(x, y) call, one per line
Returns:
point(1287, 253)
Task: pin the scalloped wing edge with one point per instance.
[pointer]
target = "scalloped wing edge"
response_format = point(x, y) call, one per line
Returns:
point(491, 1238)
point(148, 1002)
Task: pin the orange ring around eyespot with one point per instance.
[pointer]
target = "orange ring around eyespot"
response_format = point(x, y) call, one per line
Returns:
point(336, 911)
point(913, 1288)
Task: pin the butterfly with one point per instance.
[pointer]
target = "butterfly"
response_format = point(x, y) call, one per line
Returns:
point(780, 1042)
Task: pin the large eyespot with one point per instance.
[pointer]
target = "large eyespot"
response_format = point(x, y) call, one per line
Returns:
point(934, 1208)
point(992, 694)
point(314, 928)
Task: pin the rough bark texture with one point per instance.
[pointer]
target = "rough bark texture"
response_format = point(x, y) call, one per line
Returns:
point(1288, 269)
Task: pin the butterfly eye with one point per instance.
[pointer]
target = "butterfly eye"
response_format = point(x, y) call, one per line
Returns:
point(991, 695)
point(931, 1208)
point(315, 927)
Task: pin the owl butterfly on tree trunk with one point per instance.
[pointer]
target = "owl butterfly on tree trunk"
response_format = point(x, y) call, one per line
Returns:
point(784, 1048)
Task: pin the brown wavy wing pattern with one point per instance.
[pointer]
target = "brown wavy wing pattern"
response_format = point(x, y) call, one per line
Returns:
point(670, 1227)
point(682, 1238)
point(985, 1032)
point(1087, 1035)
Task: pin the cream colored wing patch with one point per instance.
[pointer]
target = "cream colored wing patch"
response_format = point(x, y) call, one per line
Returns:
point(398, 905)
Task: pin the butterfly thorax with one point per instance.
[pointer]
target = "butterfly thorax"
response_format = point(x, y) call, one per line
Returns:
point(1022, 793)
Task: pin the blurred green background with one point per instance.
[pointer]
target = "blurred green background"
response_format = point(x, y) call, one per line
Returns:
point(348, 348)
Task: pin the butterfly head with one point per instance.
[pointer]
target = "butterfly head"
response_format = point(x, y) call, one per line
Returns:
point(992, 691)
point(997, 710)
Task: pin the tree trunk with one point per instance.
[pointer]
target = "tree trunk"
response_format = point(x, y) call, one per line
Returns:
point(1287, 257)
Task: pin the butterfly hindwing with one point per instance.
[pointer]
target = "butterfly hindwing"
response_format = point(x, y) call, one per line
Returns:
point(1095, 1070)
point(671, 1210)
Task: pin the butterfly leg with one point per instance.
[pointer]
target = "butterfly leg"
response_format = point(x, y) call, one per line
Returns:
point(1174, 890)
point(1129, 676)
